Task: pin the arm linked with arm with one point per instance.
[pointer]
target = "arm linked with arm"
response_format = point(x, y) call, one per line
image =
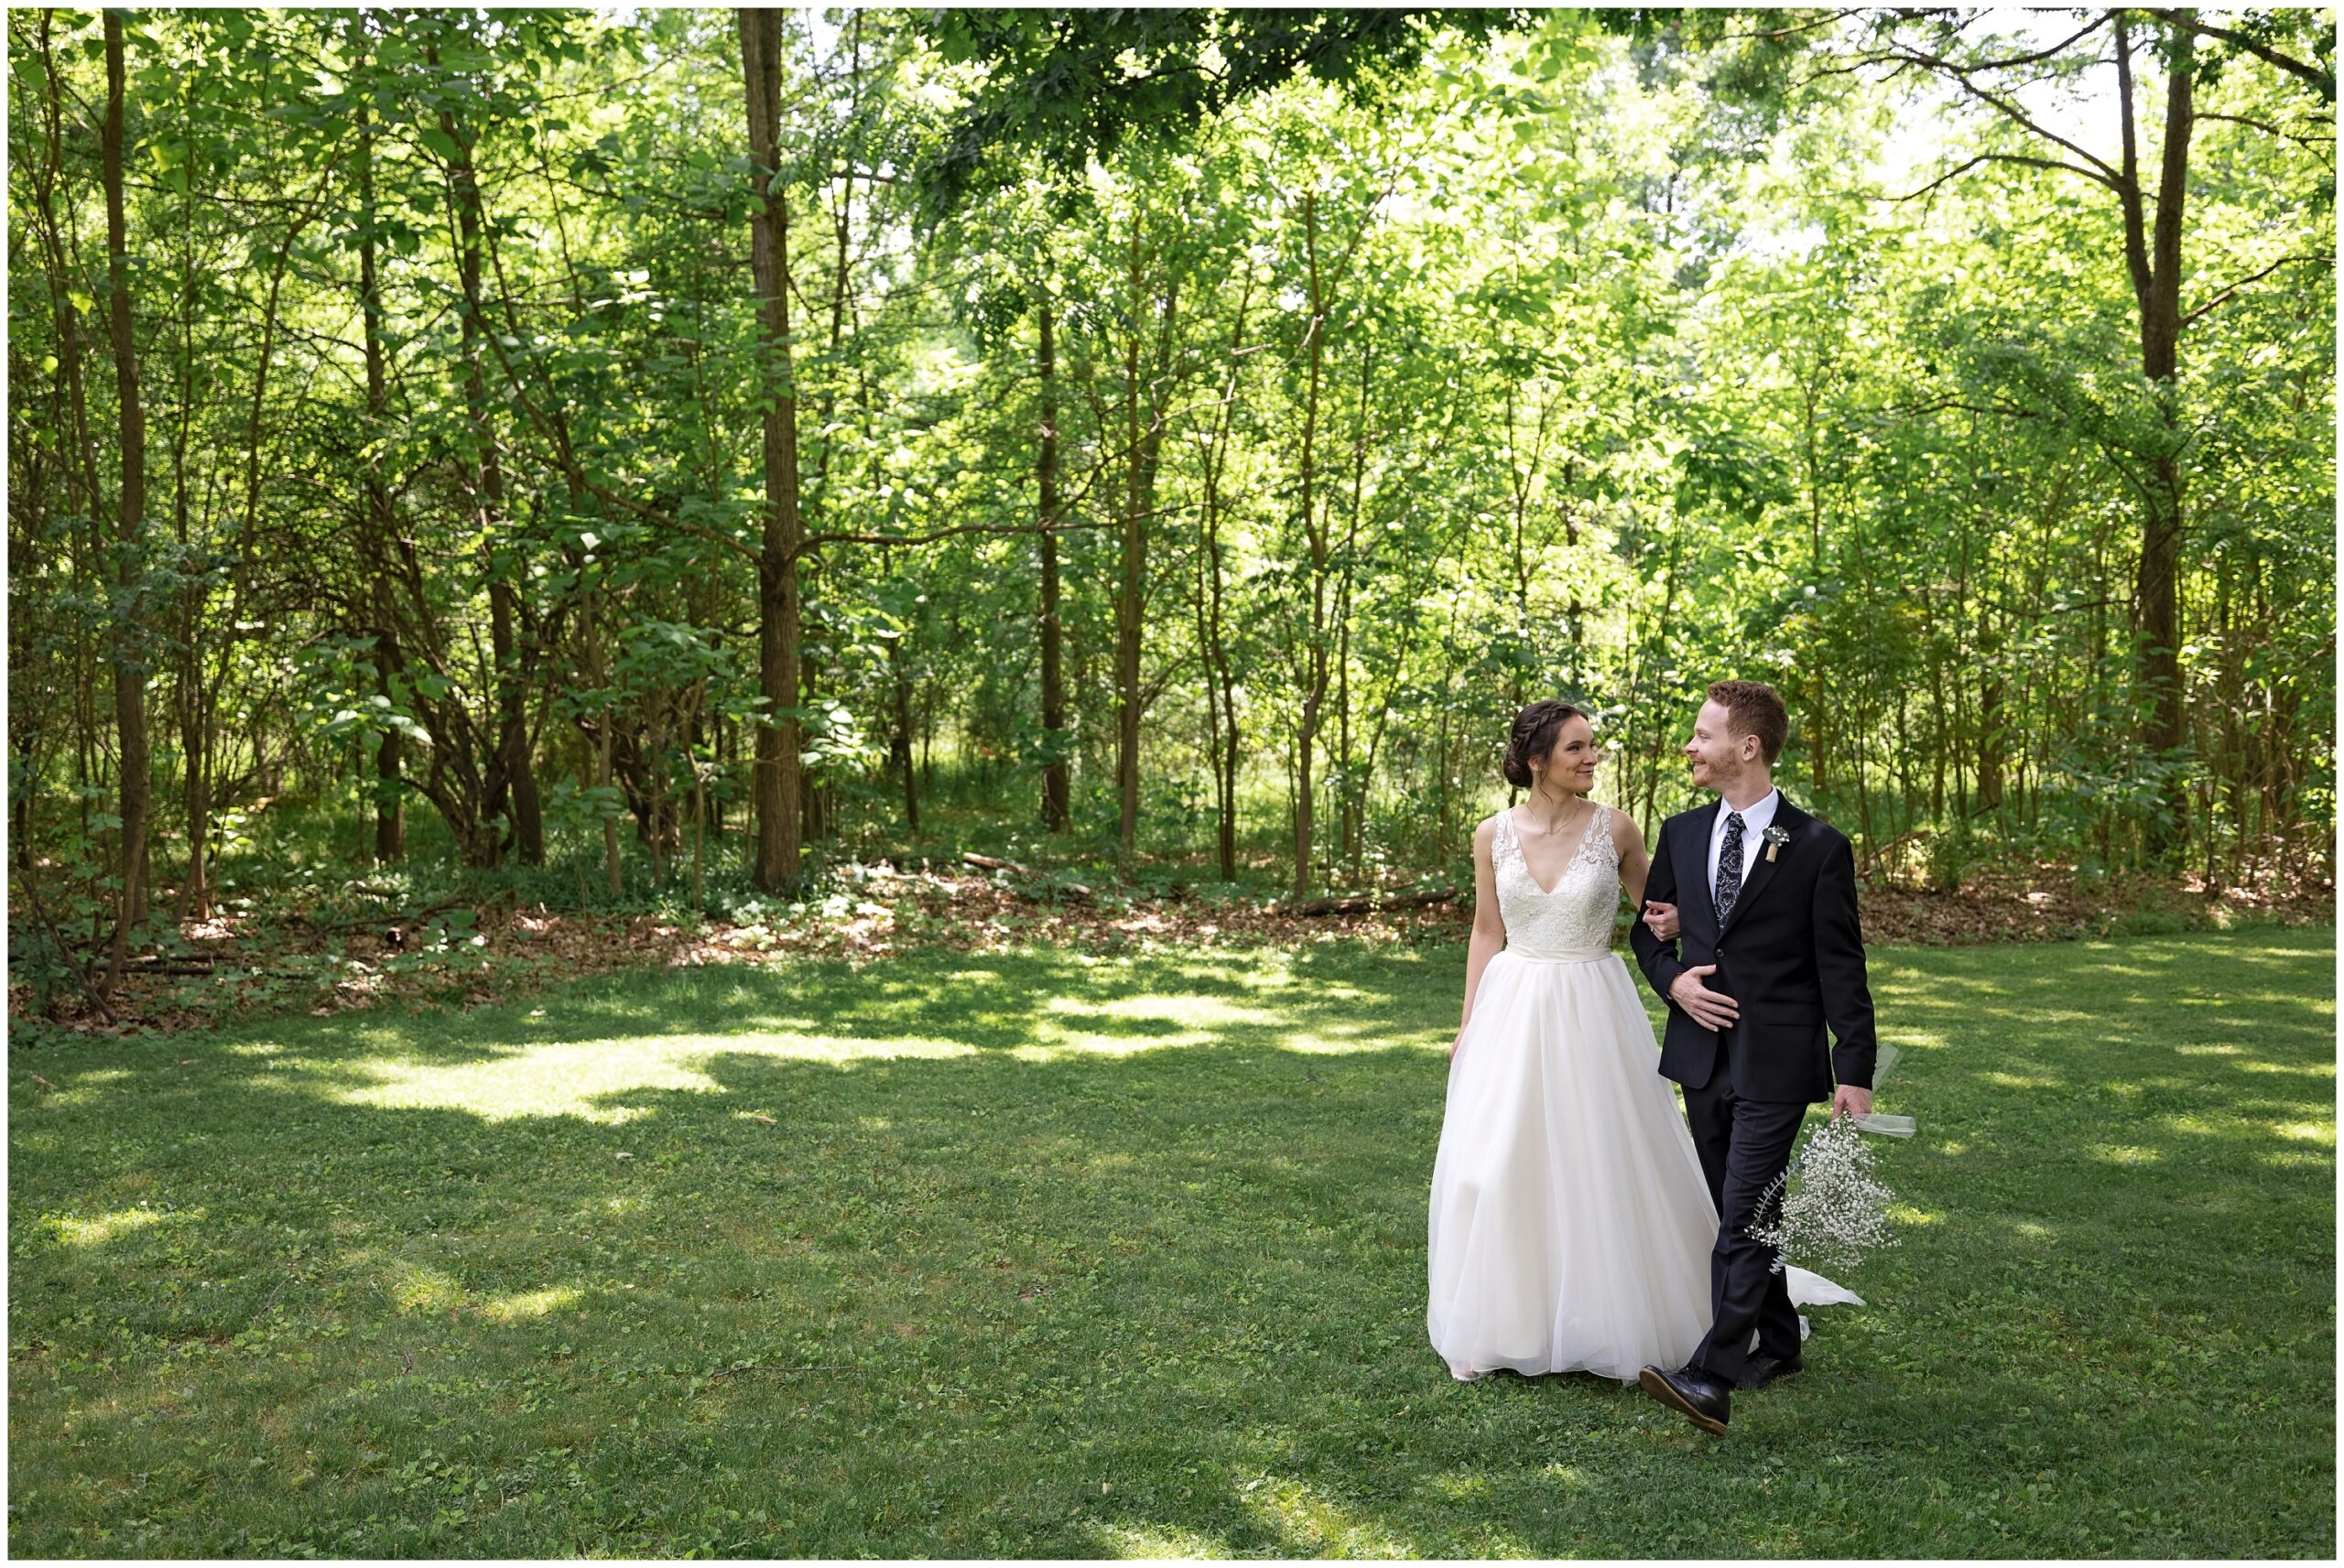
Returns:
point(1660, 961)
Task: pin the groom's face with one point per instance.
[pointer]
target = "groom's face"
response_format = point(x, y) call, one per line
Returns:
point(1717, 754)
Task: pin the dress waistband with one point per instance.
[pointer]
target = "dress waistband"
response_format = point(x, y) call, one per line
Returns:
point(1561, 956)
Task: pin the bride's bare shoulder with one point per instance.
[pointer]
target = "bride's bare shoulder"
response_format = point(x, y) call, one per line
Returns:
point(1625, 833)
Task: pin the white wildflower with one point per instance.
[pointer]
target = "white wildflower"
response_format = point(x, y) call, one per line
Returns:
point(1829, 1207)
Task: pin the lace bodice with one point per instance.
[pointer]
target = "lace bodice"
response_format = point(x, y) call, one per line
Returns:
point(1576, 917)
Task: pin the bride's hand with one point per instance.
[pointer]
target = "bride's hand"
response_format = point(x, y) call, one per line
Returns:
point(1456, 1043)
point(1661, 918)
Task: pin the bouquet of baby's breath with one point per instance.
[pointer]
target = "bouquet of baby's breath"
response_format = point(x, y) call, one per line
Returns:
point(1830, 1205)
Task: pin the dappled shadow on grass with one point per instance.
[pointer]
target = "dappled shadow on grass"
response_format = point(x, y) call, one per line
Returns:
point(577, 1055)
point(2056, 1104)
point(983, 1002)
point(1123, 1259)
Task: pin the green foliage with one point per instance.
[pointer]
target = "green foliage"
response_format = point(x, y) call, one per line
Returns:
point(1456, 359)
point(1074, 84)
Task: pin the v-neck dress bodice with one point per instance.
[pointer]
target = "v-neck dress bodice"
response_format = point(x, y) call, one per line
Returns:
point(1572, 921)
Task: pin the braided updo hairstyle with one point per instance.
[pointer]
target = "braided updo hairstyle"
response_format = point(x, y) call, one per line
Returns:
point(1534, 728)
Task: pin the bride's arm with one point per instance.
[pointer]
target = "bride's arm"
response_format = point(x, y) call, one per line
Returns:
point(1634, 862)
point(1489, 925)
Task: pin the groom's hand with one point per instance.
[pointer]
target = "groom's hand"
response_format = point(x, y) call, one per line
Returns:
point(1710, 1009)
point(1850, 1100)
point(1661, 918)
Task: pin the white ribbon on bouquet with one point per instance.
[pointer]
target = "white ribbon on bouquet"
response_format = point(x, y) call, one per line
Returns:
point(1886, 1125)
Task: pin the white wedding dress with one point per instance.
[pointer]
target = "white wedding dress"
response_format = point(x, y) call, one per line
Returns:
point(1570, 1226)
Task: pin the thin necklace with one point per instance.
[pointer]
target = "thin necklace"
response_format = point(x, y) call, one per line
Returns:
point(1556, 831)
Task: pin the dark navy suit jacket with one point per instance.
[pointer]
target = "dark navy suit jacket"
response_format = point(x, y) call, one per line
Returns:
point(1791, 955)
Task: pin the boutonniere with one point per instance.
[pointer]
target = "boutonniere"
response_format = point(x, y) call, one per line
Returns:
point(1775, 839)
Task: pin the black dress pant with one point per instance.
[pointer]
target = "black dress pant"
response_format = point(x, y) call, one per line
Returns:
point(1744, 1145)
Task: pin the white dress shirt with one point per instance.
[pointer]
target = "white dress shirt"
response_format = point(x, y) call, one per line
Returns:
point(1756, 820)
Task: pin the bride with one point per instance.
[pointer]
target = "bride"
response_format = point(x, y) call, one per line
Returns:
point(1571, 1225)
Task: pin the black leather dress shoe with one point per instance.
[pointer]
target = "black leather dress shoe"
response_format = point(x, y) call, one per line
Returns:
point(1704, 1400)
point(1761, 1370)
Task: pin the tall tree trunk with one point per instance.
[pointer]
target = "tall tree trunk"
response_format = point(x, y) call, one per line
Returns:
point(2153, 255)
point(1057, 804)
point(1989, 742)
point(189, 687)
point(1351, 808)
point(129, 668)
point(899, 744)
point(1576, 613)
point(1221, 682)
point(818, 788)
point(1314, 681)
point(776, 773)
point(525, 833)
point(605, 730)
point(1650, 822)
point(1212, 620)
point(1517, 505)
point(1144, 458)
point(512, 779)
point(81, 463)
point(390, 802)
point(1220, 708)
point(1131, 582)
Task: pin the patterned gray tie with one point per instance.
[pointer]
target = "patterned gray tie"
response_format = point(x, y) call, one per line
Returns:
point(1729, 867)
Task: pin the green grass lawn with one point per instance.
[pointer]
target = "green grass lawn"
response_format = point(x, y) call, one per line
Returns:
point(1038, 1255)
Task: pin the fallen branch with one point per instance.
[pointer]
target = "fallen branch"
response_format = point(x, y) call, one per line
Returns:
point(990, 864)
point(987, 863)
point(1878, 855)
point(1368, 902)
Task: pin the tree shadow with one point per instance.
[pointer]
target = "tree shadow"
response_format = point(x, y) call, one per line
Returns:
point(1027, 1256)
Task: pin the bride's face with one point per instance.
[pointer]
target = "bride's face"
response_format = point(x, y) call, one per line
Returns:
point(1572, 763)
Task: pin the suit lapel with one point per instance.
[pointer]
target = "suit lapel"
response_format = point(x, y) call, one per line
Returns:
point(1790, 819)
point(1693, 841)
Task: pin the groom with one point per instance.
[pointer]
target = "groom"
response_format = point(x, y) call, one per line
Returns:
point(1764, 952)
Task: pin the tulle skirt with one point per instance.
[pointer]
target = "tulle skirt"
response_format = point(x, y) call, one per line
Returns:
point(1570, 1226)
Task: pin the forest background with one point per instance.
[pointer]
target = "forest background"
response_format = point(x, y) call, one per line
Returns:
point(816, 478)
